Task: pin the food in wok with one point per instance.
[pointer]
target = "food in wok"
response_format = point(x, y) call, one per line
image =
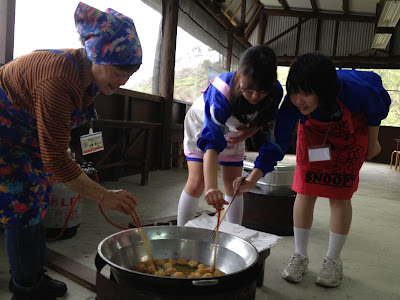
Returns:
point(181, 268)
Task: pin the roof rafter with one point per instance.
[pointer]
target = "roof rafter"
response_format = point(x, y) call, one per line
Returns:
point(391, 62)
point(288, 30)
point(218, 14)
point(314, 6)
point(252, 24)
point(323, 16)
point(345, 7)
point(284, 4)
point(243, 13)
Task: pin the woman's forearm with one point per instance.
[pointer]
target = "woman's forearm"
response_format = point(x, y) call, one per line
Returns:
point(87, 188)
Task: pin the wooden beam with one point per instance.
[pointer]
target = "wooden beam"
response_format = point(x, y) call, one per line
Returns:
point(262, 23)
point(170, 19)
point(251, 7)
point(71, 269)
point(253, 22)
point(390, 62)
point(229, 6)
point(284, 5)
point(138, 95)
point(235, 13)
point(221, 18)
point(243, 13)
point(7, 21)
point(229, 51)
point(298, 38)
point(381, 50)
point(314, 6)
point(392, 42)
point(317, 35)
point(126, 114)
point(385, 30)
point(345, 7)
point(323, 16)
point(369, 50)
point(335, 39)
point(287, 30)
point(125, 124)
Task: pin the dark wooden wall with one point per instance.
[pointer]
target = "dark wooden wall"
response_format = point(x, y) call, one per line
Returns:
point(132, 106)
point(139, 111)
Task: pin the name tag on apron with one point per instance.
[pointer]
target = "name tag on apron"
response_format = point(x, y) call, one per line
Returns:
point(319, 153)
point(92, 142)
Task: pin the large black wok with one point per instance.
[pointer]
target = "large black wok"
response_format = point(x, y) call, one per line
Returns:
point(235, 257)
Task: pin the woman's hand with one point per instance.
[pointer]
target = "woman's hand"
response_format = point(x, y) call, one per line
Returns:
point(215, 198)
point(120, 200)
point(242, 134)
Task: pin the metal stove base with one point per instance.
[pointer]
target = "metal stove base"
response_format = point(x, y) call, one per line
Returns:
point(109, 289)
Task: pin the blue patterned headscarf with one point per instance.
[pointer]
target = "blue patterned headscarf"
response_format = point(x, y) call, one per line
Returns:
point(110, 37)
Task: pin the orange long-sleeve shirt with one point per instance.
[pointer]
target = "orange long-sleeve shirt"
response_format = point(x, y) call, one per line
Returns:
point(49, 87)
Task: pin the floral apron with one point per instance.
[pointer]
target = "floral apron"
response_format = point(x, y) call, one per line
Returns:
point(337, 178)
point(25, 183)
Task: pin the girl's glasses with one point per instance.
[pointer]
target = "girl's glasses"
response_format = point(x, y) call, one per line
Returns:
point(252, 91)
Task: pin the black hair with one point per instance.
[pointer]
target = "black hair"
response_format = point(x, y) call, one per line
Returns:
point(258, 64)
point(315, 73)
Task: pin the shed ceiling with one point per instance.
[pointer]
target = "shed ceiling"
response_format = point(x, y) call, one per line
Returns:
point(341, 29)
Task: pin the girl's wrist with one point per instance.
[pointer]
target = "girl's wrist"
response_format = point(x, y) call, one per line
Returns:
point(252, 181)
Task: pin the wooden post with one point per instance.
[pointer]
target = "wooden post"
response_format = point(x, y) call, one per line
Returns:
point(170, 22)
point(335, 40)
point(261, 28)
point(317, 35)
point(7, 20)
point(243, 14)
point(298, 38)
point(229, 51)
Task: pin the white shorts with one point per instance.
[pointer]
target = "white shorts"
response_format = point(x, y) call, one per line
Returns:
point(194, 120)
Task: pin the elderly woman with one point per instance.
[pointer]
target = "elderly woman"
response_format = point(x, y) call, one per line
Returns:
point(43, 95)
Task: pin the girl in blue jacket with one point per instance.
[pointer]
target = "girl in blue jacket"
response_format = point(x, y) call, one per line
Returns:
point(234, 106)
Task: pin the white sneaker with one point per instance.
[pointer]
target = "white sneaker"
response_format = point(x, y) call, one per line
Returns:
point(331, 273)
point(298, 266)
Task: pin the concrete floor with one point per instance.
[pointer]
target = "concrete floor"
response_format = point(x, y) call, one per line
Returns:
point(370, 257)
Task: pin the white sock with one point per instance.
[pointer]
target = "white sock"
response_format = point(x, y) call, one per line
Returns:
point(336, 243)
point(235, 212)
point(301, 236)
point(187, 208)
